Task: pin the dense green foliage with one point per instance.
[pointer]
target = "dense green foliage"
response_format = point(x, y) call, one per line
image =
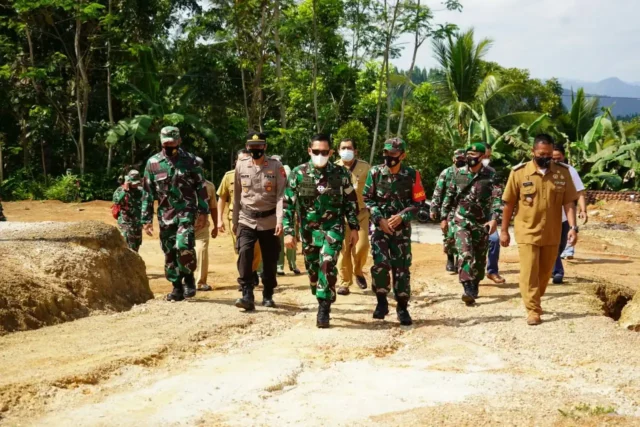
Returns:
point(87, 85)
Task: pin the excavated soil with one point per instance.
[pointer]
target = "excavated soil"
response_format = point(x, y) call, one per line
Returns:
point(207, 363)
point(57, 272)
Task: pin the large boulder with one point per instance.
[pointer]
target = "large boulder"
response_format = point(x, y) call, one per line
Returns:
point(56, 272)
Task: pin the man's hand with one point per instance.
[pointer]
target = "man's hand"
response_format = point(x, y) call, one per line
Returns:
point(493, 226)
point(148, 228)
point(126, 186)
point(279, 230)
point(432, 215)
point(289, 242)
point(572, 237)
point(353, 238)
point(505, 239)
point(444, 226)
point(395, 221)
point(201, 221)
point(221, 227)
point(214, 232)
point(384, 226)
point(584, 216)
point(234, 229)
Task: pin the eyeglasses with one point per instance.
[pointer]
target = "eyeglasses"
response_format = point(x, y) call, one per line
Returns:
point(320, 152)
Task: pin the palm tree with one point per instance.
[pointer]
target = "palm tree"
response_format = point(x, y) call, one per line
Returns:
point(463, 86)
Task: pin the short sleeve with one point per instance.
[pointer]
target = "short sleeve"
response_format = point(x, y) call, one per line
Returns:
point(511, 190)
point(570, 194)
point(577, 182)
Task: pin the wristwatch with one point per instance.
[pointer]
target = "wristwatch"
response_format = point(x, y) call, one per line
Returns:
point(575, 228)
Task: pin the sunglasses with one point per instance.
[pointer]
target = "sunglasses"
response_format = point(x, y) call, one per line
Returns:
point(321, 152)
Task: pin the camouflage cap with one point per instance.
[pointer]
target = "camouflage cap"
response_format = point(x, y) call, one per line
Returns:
point(477, 147)
point(169, 134)
point(133, 177)
point(394, 145)
point(459, 153)
point(256, 138)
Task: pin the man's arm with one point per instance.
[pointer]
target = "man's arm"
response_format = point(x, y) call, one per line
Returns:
point(350, 202)
point(281, 185)
point(449, 197)
point(201, 191)
point(436, 198)
point(148, 196)
point(370, 199)
point(213, 208)
point(237, 193)
point(290, 200)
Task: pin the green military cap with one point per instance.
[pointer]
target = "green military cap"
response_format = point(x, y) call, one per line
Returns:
point(133, 177)
point(256, 138)
point(169, 134)
point(477, 147)
point(395, 145)
point(459, 153)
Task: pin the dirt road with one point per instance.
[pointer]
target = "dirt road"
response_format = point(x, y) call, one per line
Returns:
point(207, 363)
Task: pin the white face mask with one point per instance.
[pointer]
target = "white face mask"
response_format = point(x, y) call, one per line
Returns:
point(346, 155)
point(485, 162)
point(319, 160)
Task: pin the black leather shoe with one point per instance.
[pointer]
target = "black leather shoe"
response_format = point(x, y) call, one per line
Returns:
point(324, 308)
point(247, 301)
point(382, 309)
point(403, 313)
point(268, 303)
point(177, 294)
point(296, 272)
point(467, 296)
point(362, 282)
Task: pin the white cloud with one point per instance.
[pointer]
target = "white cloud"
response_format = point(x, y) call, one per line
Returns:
point(580, 39)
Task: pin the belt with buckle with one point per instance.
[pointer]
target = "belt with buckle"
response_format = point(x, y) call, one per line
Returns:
point(258, 214)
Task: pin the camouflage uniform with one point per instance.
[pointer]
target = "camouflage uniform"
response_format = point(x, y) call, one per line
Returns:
point(178, 185)
point(2, 217)
point(321, 198)
point(472, 198)
point(436, 203)
point(130, 203)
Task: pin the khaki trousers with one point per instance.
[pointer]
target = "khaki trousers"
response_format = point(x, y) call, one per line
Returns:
point(257, 254)
point(352, 260)
point(202, 255)
point(536, 265)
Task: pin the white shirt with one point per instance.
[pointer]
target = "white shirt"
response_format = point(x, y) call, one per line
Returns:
point(577, 182)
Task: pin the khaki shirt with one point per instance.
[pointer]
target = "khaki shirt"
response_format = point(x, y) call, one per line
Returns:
point(225, 191)
point(212, 201)
point(259, 189)
point(539, 200)
point(359, 171)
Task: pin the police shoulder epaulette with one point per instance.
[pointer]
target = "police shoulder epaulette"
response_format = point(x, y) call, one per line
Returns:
point(246, 159)
point(564, 165)
point(520, 166)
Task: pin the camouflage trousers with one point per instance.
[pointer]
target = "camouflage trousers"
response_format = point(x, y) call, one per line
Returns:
point(391, 253)
point(449, 240)
point(472, 243)
point(320, 262)
point(178, 244)
point(132, 235)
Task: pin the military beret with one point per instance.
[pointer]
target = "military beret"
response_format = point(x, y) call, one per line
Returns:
point(478, 147)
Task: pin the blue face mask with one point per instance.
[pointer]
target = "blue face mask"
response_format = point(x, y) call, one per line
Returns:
point(347, 155)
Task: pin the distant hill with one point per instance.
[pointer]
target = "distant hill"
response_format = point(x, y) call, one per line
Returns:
point(609, 87)
point(622, 106)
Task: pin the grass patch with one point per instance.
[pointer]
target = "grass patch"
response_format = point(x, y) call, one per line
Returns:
point(585, 410)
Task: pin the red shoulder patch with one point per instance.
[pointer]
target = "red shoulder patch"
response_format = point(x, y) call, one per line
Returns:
point(418, 190)
point(283, 172)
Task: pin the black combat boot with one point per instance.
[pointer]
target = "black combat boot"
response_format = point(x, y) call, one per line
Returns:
point(267, 298)
point(382, 309)
point(189, 286)
point(468, 295)
point(247, 301)
point(451, 263)
point(402, 310)
point(324, 308)
point(177, 294)
point(476, 288)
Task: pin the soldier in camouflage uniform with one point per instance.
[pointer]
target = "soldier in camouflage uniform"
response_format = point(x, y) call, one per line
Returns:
point(322, 195)
point(2, 217)
point(393, 193)
point(473, 196)
point(174, 178)
point(459, 160)
point(129, 198)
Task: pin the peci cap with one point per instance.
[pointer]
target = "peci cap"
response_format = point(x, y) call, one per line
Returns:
point(133, 177)
point(395, 145)
point(256, 138)
point(169, 134)
point(476, 147)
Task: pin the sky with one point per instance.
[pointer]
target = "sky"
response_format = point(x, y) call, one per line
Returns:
point(588, 40)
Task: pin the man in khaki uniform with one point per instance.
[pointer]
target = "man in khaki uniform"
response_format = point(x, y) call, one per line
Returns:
point(538, 190)
point(258, 193)
point(225, 195)
point(203, 235)
point(352, 260)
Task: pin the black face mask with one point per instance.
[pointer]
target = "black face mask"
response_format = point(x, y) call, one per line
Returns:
point(460, 163)
point(170, 151)
point(473, 161)
point(391, 161)
point(543, 162)
point(256, 153)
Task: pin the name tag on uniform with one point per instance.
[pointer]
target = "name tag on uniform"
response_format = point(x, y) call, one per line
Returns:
point(307, 187)
point(527, 184)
